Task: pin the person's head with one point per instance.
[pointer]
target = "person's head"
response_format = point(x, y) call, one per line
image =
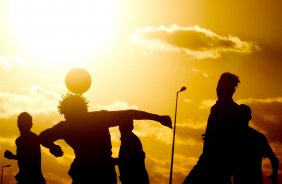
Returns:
point(73, 106)
point(245, 114)
point(24, 122)
point(227, 85)
point(126, 127)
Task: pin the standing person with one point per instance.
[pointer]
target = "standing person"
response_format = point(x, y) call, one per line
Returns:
point(28, 153)
point(131, 158)
point(252, 147)
point(88, 134)
point(214, 165)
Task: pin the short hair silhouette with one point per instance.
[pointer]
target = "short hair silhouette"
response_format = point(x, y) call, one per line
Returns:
point(126, 127)
point(227, 84)
point(73, 105)
point(131, 157)
point(245, 114)
point(24, 122)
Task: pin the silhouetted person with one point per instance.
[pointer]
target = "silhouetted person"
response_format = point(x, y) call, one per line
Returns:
point(28, 153)
point(214, 165)
point(131, 158)
point(252, 147)
point(88, 134)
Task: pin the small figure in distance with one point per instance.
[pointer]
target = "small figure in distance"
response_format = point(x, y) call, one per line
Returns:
point(253, 146)
point(131, 158)
point(28, 153)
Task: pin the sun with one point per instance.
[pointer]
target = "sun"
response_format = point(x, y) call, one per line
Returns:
point(62, 30)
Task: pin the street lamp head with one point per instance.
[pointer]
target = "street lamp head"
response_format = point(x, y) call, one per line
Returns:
point(182, 89)
point(7, 165)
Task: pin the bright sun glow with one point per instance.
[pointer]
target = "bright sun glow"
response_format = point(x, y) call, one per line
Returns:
point(62, 30)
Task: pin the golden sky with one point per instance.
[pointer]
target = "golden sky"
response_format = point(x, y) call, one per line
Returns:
point(139, 54)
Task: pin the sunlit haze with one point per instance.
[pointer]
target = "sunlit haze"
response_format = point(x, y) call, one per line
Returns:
point(62, 31)
point(138, 55)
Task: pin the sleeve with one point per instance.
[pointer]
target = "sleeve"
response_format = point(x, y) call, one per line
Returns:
point(268, 153)
point(48, 136)
point(115, 118)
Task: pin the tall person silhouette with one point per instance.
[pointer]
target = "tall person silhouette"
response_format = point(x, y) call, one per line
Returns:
point(28, 153)
point(88, 134)
point(252, 147)
point(131, 158)
point(214, 164)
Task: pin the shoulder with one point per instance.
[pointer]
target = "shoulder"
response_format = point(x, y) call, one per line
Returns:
point(257, 135)
point(33, 134)
point(18, 139)
point(61, 125)
point(97, 114)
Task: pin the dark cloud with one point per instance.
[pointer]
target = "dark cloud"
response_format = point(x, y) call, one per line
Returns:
point(185, 131)
point(195, 41)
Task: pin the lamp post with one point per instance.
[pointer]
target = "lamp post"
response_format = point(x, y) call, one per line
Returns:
point(2, 172)
point(173, 139)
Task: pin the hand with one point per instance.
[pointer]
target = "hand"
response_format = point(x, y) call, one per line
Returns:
point(56, 150)
point(274, 178)
point(8, 154)
point(166, 121)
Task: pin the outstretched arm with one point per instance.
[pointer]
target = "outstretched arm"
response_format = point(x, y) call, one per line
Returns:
point(117, 117)
point(275, 166)
point(9, 155)
point(47, 139)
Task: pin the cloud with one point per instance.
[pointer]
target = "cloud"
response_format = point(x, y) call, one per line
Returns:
point(207, 104)
point(195, 129)
point(38, 101)
point(7, 62)
point(194, 41)
point(159, 170)
point(195, 70)
point(117, 105)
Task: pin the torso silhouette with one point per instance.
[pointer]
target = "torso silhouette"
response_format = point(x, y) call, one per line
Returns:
point(253, 146)
point(131, 160)
point(88, 134)
point(222, 124)
point(29, 159)
point(215, 163)
point(90, 139)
